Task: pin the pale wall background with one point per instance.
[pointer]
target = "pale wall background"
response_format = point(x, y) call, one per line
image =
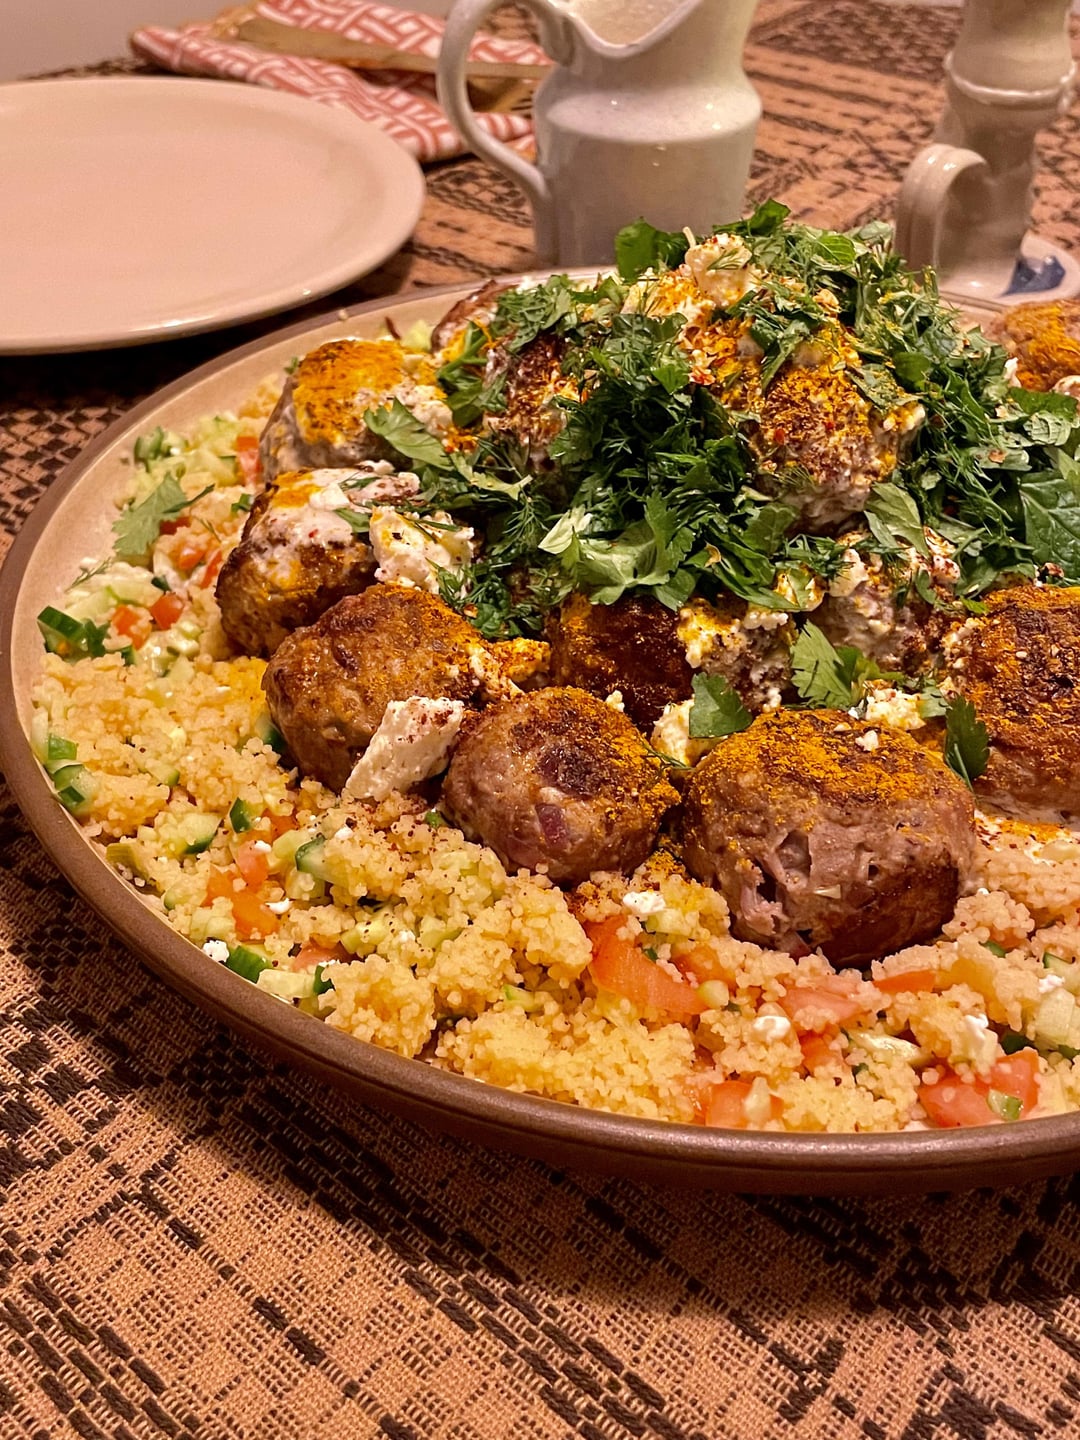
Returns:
point(37, 35)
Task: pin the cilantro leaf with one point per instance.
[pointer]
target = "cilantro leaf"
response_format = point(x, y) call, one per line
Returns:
point(822, 674)
point(717, 709)
point(892, 514)
point(401, 429)
point(967, 740)
point(640, 247)
point(1051, 502)
point(140, 525)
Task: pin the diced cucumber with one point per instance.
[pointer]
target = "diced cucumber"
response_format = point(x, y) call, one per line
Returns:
point(241, 816)
point(39, 735)
point(128, 855)
point(1012, 1042)
point(286, 984)
point(75, 789)
point(309, 857)
point(59, 752)
point(268, 733)
point(525, 1000)
point(286, 845)
point(163, 771)
point(366, 935)
point(1008, 1107)
point(1068, 974)
point(321, 981)
point(71, 638)
point(1057, 1021)
point(248, 962)
point(189, 834)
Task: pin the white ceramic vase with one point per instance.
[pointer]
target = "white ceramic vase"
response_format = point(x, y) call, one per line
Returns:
point(647, 112)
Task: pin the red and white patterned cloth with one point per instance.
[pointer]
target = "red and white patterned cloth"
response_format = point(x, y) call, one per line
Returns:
point(402, 104)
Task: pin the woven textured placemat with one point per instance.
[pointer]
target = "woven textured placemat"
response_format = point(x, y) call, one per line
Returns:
point(196, 1242)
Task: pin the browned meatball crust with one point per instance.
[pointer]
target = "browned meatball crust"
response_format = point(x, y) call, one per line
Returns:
point(293, 562)
point(1044, 338)
point(557, 778)
point(533, 382)
point(319, 420)
point(479, 306)
point(328, 685)
point(1019, 665)
point(632, 646)
point(875, 606)
point(823, 832)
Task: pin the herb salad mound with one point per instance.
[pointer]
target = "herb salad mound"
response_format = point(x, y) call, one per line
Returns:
point(592, 695)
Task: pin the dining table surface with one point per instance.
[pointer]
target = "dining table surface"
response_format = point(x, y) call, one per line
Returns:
point(197, 1241)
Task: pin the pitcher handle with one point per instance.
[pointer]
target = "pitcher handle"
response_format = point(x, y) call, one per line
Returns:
point(461, 25)
point(921, 206)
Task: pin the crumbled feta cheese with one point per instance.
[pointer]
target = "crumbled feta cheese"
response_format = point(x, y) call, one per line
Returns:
point(978, 1044)
point(758, 618)
point(671, 735)
point(885, 705)
point(615, 701)
point(217, 950)
point(720, 266)
point(407, 555)
point(279, 907)
point(1050, 982)
point(869, 741)
point(770, 1027)
point(412, 742)
point(643, 903)
point(261, 847)
point(851, 577)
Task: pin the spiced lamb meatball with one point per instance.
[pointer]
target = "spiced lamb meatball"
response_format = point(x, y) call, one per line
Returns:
point(1019, 665)
point(318, 422)
point(328, 685)
point(298, 553)
point(875, 606)
point(533, 382)
point(557, 778)
point(823, 832)
point(631, 646)
point(478, 306)
point(1043, 337)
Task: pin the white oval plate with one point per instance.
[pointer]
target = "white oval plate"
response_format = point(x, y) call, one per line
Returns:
point(139, 208)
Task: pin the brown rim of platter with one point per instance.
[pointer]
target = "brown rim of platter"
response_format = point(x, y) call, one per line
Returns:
point(562, 1134)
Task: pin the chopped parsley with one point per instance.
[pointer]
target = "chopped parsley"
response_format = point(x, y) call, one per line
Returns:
point(717, 709)
point(140, 525)
point(967, 740)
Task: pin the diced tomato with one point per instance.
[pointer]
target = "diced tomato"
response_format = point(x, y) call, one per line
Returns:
point(312, 953)
point(725, 1105)
point(170, 527)
point(212, 568)
point(697, 964)
point(167, 610)
point(618, 964)
point(219, 884)
point(192, 549)
point(911, 981)
point(252, 862)
point(1018, 1075)
point(817, 1052)
point(830, 1001)
point(953, 1103)
point(248, 462)
point(133, 624)
point(254, 920)
point(281, 824)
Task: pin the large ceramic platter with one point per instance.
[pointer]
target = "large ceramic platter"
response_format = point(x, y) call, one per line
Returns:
point(73, 521)
point(138, 209)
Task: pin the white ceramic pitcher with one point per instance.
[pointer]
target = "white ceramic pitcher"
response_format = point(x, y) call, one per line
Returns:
point(647, 112)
